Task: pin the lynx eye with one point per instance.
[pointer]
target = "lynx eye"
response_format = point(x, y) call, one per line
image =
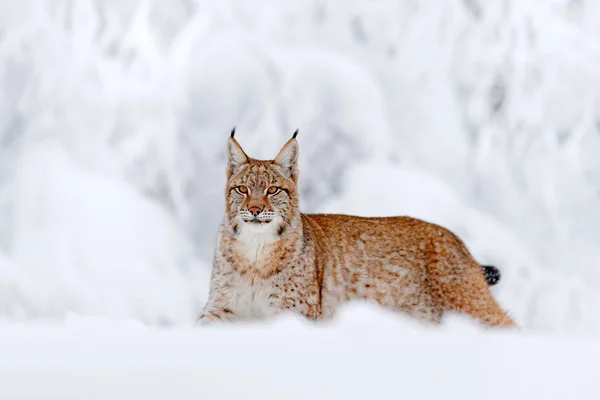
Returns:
point(241, 189)
point(273, 190)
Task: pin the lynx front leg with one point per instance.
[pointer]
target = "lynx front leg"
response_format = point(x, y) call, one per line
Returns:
point(219, 306)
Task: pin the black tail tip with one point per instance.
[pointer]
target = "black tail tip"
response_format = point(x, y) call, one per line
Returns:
point(492, 274)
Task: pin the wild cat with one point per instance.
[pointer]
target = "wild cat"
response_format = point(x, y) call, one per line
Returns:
point(271, 258)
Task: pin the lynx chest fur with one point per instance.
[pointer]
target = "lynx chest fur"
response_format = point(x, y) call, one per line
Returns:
point(263, 275)
point(270, 258)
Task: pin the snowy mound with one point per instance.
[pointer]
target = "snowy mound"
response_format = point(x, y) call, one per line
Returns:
point(367, 353)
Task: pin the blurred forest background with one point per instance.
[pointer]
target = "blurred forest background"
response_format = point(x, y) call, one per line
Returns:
point(483, 116)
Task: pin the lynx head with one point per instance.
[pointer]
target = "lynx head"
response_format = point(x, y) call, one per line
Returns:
point(261, 195)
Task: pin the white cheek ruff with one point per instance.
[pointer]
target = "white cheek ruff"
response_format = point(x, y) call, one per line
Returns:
point(253, 237)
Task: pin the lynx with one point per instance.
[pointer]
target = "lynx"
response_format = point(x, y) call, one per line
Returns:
point(272, 258)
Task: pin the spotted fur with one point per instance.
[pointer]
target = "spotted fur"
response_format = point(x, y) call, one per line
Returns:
point(282, 260)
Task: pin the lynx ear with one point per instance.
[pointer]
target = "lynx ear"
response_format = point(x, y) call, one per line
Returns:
point(288, 158)
point(235, 156)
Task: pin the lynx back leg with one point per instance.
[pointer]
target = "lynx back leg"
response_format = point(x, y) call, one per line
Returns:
point(463, 289)
point(479, 304)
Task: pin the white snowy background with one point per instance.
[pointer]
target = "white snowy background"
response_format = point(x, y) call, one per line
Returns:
point(483, 116)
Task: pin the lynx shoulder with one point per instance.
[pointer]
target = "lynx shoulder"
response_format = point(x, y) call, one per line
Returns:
point(272, 258)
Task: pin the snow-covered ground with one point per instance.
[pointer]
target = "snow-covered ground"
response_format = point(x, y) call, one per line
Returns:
point(366, 354)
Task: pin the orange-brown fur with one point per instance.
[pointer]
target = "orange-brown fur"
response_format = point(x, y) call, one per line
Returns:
point(311, 264)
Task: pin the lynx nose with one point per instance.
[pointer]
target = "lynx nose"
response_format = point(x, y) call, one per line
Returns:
point(255, 210)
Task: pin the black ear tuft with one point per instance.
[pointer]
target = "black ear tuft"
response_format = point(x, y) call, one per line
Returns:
point(295, 134)
point(233, 132)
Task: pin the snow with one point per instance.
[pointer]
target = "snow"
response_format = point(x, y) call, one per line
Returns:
point(88, 230)
point(114, 115)
point(366, 353)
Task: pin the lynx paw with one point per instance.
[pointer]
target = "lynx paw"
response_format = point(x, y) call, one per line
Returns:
point(208, 317)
